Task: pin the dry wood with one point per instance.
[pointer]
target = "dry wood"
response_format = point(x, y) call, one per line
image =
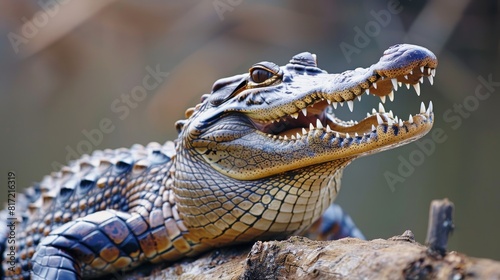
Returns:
point(440, 225)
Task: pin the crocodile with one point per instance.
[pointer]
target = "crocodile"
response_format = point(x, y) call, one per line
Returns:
point(260, 157)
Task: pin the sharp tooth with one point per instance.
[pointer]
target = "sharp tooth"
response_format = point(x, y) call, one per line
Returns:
point(407, 86)
point(429, 109)
point(318, 124)
point(374, 111)
point(356, 134)
point(396, 119)
point(428, 71)
point(410, 119)
point(379, 119)
point(329, 102)
point(390, 114)
point(406, 77)
point(294, 115)
point(422, 108)
point(280, 137)
point(400, 123)
point(328, 129)
point(381, 108)
point(382, 98)
point(298, 135)
point(341, 104)
point(391, 96)
point(411, 72)
point(351, 105)
point(304, 131)
point(334, 104)
point(337, 135)
point(347, 135)
point(278, 120)
point(374, 85)
point(422, 69)
point(269, 135)
point(417, 88)
point(292, 137)
point(368, 114)
point(373, 128)
point(285, 138)
point(421, 80)
point(359, 97)
point(431, 79)
point(433, 72)
point(394, 83)
point(311, 126)
point(304, 111)
point(400, 84)
point(389, 122)
point(367, 91)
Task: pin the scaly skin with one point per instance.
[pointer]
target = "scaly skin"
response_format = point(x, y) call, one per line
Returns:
point(260, 157)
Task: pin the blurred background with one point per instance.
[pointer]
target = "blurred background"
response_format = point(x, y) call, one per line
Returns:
point(69, 73)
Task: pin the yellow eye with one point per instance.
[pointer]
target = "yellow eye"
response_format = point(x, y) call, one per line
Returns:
point(260, 75)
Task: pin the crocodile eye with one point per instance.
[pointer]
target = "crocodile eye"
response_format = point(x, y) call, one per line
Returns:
point(260, 75)
point(264, 74)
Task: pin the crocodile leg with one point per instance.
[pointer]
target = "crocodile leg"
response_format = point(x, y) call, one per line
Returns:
point(334, 224)
point(54, 263)
point(105, 242)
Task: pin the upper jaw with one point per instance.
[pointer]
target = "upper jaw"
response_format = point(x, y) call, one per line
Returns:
point(402, 64)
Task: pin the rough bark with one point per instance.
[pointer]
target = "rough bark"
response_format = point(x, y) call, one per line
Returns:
point(399, 257)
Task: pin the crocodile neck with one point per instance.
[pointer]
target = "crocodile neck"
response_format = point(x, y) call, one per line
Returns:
point(218, 210)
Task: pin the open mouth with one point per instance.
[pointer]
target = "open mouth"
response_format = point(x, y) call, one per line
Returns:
point(318, 112)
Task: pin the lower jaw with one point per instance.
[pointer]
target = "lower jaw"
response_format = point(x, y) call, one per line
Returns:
point(364, 126)
point(339, 128)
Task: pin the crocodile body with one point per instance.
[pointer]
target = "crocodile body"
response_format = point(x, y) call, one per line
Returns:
point(260, 157)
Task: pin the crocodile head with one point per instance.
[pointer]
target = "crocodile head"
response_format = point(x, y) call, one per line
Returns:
point(275, 126)
point(287, 112)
